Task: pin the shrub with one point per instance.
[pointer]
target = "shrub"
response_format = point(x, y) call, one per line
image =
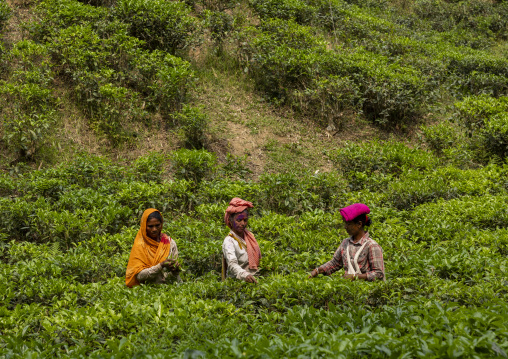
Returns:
point(473, 110)
point(281, 56)
point(376, 164)
point(486, 83)
point(193, 165)
point(291, 64)
point(291, 194)
point(153, 81)
point(17, 216)
point(27, 127)
point(392, 94)
point(79, 49)
point(480, 72)
point(164, 25)
point(327, 98)
point(193, 123)
point(114, 105)
point(416, 188)
point(234, 166)
point(48, 187)
point(92, 171)
point(59, 14)
point(484, 118)
point(385, 157)
point(148, 168)
point(167, 197)
point(296, 10)
point(5, 14)
point(496, 136)
point(454, 218)
point(28, 105)
point(7, 186)
point(220, 24)
point(217, 5)
point(164, 79)
point(440, 136)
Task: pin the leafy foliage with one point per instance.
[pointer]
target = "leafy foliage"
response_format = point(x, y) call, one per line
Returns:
point(78, 252)
point(289, 62)
point(193, 123)
point(115, 79)
point(484, 119)
point(164, 25)
point(66, 232)
point(5, 14)
point(193, 165)
point(28, 105)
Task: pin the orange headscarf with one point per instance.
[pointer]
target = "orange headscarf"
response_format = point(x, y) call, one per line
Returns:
point(238, 205)
point(145, 251)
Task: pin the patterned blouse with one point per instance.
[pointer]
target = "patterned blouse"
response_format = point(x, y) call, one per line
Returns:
point(370, 259)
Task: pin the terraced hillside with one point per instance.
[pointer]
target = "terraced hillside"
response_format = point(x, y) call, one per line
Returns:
point(300, 106)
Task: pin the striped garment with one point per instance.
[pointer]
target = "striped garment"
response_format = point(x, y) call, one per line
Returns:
point(370, 259)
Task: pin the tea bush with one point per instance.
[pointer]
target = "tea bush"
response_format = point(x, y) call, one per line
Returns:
point(487, 19)
point(193, 122)
point(193, 165)
point(162, 25)
point(5, 14)
point(374, 164)
point(440, 136)
point(68, 232)
point(149, 168)
point(484, 119)
point(388, 92)
point(474, 110)
point(496, 136)
point(220, 24)
point(446, 183)
point(285, 59)
point(28, 104)
point(116, 81)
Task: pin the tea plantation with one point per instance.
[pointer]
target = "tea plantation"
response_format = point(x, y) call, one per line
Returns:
point(68, 217)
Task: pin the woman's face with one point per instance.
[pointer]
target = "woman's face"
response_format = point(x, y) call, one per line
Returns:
point(239, 222)
point(352, 228)
point(153, 228)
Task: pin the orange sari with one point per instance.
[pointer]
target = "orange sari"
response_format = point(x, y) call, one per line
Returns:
point(145, 252)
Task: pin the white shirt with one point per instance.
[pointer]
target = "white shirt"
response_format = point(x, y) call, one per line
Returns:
point(236, 257)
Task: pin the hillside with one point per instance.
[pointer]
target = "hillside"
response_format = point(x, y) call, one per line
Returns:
point(109, 107)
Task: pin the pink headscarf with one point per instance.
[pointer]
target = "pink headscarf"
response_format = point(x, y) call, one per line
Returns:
point(351, 212)
point(238, 205)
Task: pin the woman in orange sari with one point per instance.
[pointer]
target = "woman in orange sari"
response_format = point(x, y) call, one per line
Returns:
point(153, 254)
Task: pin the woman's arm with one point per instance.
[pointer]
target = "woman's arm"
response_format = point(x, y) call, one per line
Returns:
point(331, 266)
point(377, 266)
point(228, 249)
point(173, 265)
point(149, 273)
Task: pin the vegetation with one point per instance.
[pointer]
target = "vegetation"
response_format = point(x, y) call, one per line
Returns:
point(429, 78)
point(67, 233)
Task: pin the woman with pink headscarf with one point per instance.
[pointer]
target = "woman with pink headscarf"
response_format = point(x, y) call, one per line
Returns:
point(359, 255)
point(240, 250)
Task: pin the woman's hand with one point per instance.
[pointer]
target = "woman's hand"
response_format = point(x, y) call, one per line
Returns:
point(315, 272)
point(362, 276)
point(171, 265)
point(250, 279)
